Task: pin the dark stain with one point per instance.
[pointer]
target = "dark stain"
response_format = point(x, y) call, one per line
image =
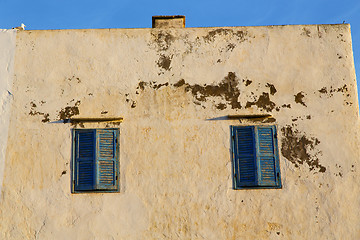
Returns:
point(330, 92)
point(342, 89)
point(163, 40)
point(63, 172)
point(221, 106)
point(226, 89)
point(157, 86)
point(218, 61)
point(286, 106)
point(69, 111)
point(230, 47)
point(272, 88)
point(294, 119)
point(247, 82)
point(104, 112)
point(46, 118)
point(278, 233)
point(153, 85)
point(33, 112)
point(133, 104)
point(74, 78)
point(141, 85)
point(295, 148)
point(164, 62)
point(308, 117)
point(306, 32)
point(323, 90)
point(263, 102)
point(179, 83)
point(240, 35)
point(299, 98)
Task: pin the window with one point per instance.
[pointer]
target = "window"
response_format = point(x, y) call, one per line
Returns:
point(95, 165)
point(255, 157)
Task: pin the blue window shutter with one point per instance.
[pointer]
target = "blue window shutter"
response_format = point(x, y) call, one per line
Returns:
point(267, 156)
point(244, 156)
point(84, 160)
point(106, 159)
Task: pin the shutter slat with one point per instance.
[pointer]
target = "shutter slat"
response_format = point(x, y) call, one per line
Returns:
point(267, 158)
point(244, 149)
point(84, 160)
point(106, 162)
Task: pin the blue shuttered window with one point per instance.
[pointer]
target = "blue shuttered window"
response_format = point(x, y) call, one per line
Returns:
point(255, 157)
point(95, 160)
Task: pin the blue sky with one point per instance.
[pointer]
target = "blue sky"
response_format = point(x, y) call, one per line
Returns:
point(77, 14)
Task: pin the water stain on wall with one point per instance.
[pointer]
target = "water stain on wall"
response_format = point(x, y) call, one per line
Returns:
point(162, 39)
point(299, 149)
point(240, 36)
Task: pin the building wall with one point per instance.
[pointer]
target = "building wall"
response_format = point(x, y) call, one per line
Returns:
point(174, 89)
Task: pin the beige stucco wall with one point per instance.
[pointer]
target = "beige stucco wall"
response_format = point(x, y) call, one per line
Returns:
point(7, 52)
point(173, 87)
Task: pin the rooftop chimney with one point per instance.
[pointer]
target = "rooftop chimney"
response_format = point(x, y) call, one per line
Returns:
point(176, 21)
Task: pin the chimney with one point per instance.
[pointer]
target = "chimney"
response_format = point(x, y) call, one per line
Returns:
point(176, 21)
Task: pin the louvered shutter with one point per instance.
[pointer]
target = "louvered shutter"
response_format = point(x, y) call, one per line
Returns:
point(267, 156)
point(84, 160)
point(244, 156)
point(106, 162)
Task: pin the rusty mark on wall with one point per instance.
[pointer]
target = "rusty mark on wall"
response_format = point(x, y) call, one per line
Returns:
point(299, 149)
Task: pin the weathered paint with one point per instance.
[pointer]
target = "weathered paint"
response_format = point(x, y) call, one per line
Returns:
point(174, 89)
point(7, 51)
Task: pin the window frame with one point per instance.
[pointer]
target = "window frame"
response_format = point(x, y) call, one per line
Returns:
point(254, 143)
point(96, 161)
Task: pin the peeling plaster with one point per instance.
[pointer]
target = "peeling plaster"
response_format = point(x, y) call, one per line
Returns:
point(299, 98)
point(69, 111)
point(227, 90)
point(299, 149)
point(263, 102)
